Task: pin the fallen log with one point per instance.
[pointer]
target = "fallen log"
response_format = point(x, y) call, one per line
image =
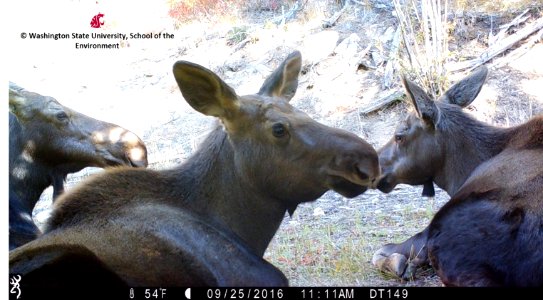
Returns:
point(387, 98)
point(504, 28)
point(498, 47)
point(519, 52)
point(332, 21)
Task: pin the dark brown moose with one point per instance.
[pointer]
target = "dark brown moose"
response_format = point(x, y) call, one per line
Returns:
point(48, 141)
point(490, 232)
point(208, 221)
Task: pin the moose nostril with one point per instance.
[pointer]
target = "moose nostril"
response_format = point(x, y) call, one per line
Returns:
point(137, 157)
point(361, 174)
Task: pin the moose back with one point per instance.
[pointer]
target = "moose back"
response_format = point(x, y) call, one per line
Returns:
point(208, 221)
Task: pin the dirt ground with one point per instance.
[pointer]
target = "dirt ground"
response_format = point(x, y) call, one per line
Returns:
point(134, 87)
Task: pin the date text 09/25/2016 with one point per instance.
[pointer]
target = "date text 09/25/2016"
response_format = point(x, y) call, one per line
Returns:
point(305, 293)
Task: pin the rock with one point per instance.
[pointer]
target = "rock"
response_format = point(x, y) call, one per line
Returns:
point(349, 46)
point(387, 35)
point(319, 46)
point(318, 212)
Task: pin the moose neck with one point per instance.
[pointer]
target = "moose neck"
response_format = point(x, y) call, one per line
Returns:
point(212, 188)
point(467, 143)
point(28, 178)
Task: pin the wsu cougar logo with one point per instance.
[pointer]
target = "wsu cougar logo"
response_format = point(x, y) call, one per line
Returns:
point(95, 22)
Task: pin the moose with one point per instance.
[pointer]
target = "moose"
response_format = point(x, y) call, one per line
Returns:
point(48, 141)
point(208, 221)
point(490, 232)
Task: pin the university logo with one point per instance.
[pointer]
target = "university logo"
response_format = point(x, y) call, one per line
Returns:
point(95, 22)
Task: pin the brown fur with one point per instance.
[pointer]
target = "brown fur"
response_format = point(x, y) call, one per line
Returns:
point(490, 234)
point(48, 141)
point(209, 221)
point(475, 163)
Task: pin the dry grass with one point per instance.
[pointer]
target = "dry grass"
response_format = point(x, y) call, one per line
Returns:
point(331, 242)
point(498, 7)
point(184, 11)
point(429, 27)
point(425, 40)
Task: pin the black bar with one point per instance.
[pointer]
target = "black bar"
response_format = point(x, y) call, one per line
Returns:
point(303, 293)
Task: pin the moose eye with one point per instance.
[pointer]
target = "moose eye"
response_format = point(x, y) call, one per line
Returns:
point(399, 138)
point(61, 116)
point(279, 130)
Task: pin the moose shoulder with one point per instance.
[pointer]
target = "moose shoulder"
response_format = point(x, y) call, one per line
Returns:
point(490, 231)
point(208, 221)
point(48, 141)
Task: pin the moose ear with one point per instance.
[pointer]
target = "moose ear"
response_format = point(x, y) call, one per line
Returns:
point(466, 90)
point(283, 82)
point(17, 102)
point(424, 105)
point(204, 90)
